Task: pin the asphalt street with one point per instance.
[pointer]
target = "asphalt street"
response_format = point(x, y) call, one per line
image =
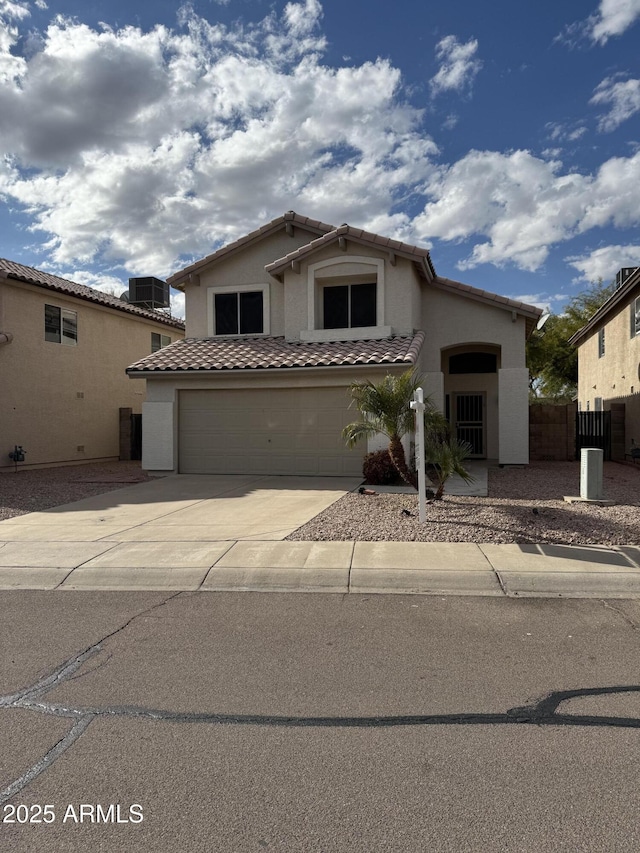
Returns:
point(249, 722)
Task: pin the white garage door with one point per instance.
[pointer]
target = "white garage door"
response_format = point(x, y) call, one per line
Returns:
point(267, 431)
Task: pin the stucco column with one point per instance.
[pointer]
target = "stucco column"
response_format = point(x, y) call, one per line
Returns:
point(513, 416)
point(433, 387)
point(158, 443)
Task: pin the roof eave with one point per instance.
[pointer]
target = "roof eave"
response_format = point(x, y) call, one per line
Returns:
point(125, 308)
point(199, 371)
point(422, 259)
point(612, 302)
point(179, 280)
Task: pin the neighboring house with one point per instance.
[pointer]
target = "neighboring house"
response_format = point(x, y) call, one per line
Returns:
point(609, 355)
point(64, 350)
point(280, 322)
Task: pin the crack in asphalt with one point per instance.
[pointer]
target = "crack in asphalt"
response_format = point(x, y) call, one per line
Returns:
point(83, 716)
point(543, 712)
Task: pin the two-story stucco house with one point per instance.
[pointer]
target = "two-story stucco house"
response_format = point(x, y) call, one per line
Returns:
point(609, 355)
point(64, 350)
point(280, 322)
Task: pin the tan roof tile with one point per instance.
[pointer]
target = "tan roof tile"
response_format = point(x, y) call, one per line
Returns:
point(414, 253)
point(269, 353)
point(13, 270)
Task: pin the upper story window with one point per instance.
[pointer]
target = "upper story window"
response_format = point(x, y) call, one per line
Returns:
point(158, 341)
point(346, 299)
point(349, 306)
point(240, 310)
point(239, 313)
point(600, 343)
point(60, 325)
point(635, 317)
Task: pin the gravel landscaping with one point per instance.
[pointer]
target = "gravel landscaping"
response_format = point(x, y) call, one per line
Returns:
point(35, 489)
point(525, 505)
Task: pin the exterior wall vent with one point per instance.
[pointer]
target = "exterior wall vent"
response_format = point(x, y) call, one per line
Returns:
point(148, 292)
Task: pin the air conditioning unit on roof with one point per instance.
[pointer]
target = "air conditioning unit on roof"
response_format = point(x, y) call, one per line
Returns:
point(623, 274)
point(148, 292)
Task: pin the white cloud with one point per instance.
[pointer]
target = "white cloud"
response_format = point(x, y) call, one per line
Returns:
point(523, 205)
point(612, 18)
point(623, 97)
point(11, 13)
point(566, 132)
point(458, 65)
point(540, 300)
point(164, 144)
point(604, 263)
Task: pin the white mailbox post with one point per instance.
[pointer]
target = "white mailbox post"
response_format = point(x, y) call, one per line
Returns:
point(417, 404)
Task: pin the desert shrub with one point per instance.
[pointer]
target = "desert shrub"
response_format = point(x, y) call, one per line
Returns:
point(379, 470)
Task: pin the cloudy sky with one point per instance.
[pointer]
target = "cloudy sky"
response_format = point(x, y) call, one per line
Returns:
point(139, 136)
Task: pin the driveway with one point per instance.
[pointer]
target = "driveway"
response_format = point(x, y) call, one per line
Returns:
point(186, 508)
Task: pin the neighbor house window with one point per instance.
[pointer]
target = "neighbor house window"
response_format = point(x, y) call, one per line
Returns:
point(635, 317)
point(60, 325)
point(349, 306)
point(600, 343)
point(158, 341)
point(239, 313)
point(597, 404)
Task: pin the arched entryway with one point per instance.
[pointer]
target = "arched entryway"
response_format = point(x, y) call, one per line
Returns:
point(471, 395)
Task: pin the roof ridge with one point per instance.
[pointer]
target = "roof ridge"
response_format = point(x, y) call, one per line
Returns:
point(227, 248)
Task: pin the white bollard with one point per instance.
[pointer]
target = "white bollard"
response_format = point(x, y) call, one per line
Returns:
point(591, 466)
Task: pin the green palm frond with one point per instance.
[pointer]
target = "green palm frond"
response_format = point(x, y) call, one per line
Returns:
point(385, 406)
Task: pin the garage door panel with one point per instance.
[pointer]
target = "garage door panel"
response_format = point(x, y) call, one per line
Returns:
point(282, 431)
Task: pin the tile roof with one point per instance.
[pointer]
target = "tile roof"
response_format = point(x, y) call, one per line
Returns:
point(289, 217)
point(13, 270)
point(618, 296)
point(486, 296)
point(269, 353)
point(357, 235)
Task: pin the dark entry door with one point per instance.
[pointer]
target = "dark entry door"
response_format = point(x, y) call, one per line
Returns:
point(469, 421)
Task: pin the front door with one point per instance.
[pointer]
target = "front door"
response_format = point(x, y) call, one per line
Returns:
point(469, 421)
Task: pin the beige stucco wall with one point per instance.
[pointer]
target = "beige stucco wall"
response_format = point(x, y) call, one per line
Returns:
point(449, 320)
point(513, 432)
point(57, 398)
point(244, 268)
point(401, 284)
point(617, 373)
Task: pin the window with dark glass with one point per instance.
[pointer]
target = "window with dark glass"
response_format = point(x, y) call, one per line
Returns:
point(473, 362)
point(158, 341)
point(349, 306)
point(60, 325)
point(239, 313)
point(600, 343)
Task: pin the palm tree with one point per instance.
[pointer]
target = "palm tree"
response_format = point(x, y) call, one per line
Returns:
point(384, 408)
point(446, 456)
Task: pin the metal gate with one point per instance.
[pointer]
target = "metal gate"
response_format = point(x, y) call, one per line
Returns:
point(593, 429)
point(469, 421)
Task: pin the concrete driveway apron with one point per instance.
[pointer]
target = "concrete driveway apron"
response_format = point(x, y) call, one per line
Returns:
point(165, 533)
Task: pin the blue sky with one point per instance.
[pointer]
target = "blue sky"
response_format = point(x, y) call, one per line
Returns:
point(137, 137)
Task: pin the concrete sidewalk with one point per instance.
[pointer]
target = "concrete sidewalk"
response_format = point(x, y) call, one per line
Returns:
point(431, 568)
